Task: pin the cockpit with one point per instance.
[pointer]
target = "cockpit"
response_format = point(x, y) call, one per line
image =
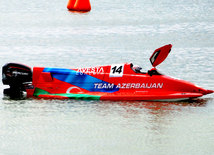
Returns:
point(136, 68)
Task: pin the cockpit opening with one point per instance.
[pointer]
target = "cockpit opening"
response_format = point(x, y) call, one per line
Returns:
point(136, 68)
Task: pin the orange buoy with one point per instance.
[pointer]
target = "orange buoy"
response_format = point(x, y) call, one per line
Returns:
point(71, 4)
point(79, 5)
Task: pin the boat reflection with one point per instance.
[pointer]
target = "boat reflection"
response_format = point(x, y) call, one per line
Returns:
point(135, 107)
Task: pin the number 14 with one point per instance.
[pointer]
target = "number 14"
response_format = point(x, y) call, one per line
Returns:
point(116, 71)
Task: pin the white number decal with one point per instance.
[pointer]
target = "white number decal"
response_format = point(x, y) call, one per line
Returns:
point(116, 70)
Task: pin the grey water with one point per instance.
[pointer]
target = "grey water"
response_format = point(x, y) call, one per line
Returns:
point(45, 33)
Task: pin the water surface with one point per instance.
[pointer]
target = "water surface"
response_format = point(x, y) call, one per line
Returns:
point(44, 33)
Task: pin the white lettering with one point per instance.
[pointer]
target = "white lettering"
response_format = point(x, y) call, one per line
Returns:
point(101, 70)
point(142, 85)
point(118, 85)
point(160, 85)
point(100, 86)
point(123, 85)
point(129, 85)
point(137, 85)
point(133, 85)
point(104, 85)
point(91, 70)
point(110, 86)
point(95, 85)
point(154, 85)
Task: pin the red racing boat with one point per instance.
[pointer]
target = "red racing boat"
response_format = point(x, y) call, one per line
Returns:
point(112, 82)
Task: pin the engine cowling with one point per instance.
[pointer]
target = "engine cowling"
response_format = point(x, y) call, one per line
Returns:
point(16, 76)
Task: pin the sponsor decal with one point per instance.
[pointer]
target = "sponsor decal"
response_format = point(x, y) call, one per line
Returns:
point(116, 70)
point(84, 81)
point(128, 85)
point(90, 71)
point(19, 73)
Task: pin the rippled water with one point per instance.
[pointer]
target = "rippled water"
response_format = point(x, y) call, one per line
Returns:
point(44, 33)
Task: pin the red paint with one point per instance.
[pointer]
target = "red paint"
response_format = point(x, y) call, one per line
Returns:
point(129, 84)
point(160, 55)
point(79, 5)
point(134, 86)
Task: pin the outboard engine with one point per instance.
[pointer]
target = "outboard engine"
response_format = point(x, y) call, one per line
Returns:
point(17, 76)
